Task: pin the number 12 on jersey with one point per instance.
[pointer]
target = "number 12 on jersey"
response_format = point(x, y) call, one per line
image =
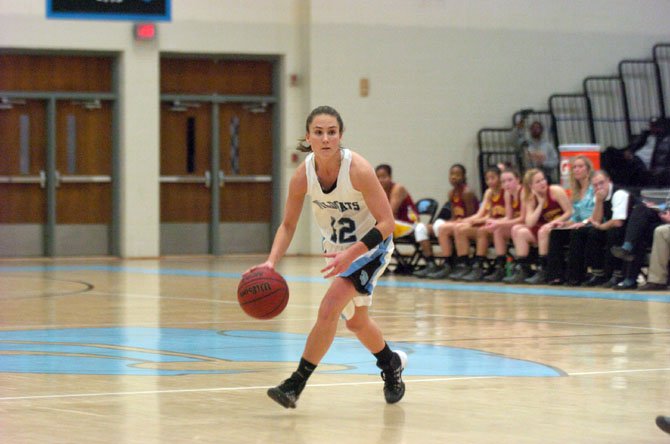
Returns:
point(344, 230)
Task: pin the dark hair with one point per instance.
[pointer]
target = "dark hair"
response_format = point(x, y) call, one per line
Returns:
point(661, 124)
point(493, 169)
point(603, 173)
point(459, 165)
point(315, 112)
point(386, 167)
point(462, 168)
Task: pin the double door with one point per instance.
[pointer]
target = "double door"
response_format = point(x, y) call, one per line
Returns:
point(56, 175)
point(216, 190)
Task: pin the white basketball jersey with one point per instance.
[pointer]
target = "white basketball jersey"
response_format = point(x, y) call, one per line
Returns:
point(341, 214)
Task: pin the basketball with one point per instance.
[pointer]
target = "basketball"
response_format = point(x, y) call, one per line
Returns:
point(263, 293)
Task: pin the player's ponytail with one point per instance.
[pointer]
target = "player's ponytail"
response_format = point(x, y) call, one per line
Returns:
point(304, 146)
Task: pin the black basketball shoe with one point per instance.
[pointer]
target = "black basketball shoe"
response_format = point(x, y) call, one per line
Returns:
point(288, 392)
point(663, 423)
point(394, 388)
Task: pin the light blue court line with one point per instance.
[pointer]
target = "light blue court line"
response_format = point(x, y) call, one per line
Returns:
point(420, 284)
point(172, 351)
point(533, 291)
point(147, 271)
point(117, 269)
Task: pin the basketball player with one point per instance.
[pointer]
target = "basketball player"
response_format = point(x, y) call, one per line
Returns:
point(402, 205)
point(356, 222)
point(544, 204)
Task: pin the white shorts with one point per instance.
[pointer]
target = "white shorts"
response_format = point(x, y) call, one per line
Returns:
point(421, 230)
point(364, 272)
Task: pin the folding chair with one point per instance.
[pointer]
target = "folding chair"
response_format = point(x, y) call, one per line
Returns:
point(405, 262)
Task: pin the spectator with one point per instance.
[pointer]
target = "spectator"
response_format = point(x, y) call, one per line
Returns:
point(463, 204)
point(474, 228)
point(646, 161)
point(660, 254)
point(544, 203)
point(402, 205)
point(537, 151)
point(501, 229)
point(639, 235)
point(590, 244)
point(583, 201)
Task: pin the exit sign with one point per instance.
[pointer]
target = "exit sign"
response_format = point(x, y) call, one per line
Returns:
point(131, 10)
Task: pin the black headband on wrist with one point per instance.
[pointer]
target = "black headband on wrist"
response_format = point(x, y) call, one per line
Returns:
point(372, 238)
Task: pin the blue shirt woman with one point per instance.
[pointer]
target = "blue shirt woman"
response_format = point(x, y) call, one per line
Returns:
point(583, 208)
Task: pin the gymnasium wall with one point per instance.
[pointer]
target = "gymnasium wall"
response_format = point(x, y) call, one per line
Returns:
point(438, 71)
point(197, 26)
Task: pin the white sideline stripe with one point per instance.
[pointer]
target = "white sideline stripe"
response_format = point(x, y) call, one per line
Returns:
point(337, 384)
point(79, 412)
point(227, 389)
point(611, 372)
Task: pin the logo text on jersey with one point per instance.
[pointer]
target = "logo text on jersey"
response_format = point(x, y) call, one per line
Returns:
point(337, 205)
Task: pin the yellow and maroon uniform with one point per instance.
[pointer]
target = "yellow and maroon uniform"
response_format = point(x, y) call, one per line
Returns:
point(458, 209)
point(495, 208)
point(516, 204)
point(550, 211)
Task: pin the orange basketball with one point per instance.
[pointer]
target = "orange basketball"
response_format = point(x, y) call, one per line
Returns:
point(263, 293)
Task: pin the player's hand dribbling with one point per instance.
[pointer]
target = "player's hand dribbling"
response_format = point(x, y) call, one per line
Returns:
point(267, 264)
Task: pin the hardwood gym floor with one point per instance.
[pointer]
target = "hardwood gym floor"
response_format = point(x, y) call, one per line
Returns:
point(158, 351)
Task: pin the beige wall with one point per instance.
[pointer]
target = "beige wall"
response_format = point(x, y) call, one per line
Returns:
point(438, 69)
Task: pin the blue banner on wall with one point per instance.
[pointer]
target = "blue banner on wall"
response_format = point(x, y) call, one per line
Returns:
point(131, 10)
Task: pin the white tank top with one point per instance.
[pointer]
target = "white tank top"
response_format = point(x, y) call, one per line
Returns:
point(341, 214)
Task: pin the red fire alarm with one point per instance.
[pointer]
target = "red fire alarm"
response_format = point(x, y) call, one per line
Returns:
point(145, 31)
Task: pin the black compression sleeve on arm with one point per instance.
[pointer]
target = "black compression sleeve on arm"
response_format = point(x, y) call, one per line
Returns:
point(372, 238)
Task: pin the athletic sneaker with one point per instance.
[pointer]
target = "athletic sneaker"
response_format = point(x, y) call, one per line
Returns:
point(429, 268)
point(475, 275)
point(288, 392)
point(394, 387)
point(663, 423)
point(440, 273)
point(622, 253)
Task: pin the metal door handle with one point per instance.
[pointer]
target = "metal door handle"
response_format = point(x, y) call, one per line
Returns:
point(40, 179)
point(208, 179)
point(247, 179)
point(79, 178)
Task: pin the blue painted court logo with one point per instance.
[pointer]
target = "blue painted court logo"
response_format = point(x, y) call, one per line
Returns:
point(173, 351)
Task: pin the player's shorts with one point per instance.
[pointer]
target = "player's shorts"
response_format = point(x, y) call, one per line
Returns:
point(364, 272)
point(535, 229)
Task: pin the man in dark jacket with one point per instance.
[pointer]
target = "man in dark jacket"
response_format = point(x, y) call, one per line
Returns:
point(645, 162)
